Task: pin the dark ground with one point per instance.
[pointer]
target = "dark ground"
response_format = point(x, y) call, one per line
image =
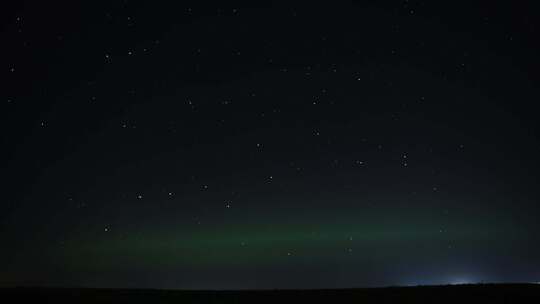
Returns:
point(485, 293)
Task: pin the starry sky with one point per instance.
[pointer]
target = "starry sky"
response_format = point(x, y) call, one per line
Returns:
point(156, 145)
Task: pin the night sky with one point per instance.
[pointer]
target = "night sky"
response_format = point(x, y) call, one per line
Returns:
point(370, 144)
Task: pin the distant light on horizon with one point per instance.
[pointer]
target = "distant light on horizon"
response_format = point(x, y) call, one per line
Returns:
point(463, 282)
point(446, 280)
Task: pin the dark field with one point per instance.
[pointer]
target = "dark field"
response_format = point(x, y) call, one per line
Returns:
point(485, 293)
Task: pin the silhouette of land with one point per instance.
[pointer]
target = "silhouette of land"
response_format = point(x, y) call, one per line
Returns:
point(477, 293)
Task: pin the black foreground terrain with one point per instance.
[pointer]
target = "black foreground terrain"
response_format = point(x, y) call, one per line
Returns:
point(482, 293)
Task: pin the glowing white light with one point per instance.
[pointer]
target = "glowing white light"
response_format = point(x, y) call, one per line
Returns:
point(461, 281)
point(444, 280)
